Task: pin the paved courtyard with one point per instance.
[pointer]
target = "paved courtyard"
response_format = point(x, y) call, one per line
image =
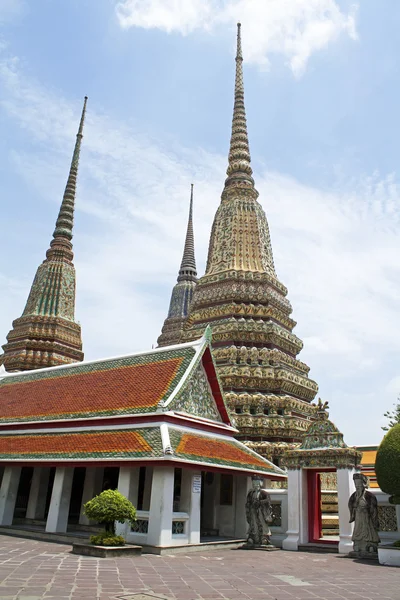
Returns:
point(31, 570)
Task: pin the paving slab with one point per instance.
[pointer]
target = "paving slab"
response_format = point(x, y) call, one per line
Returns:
point(36, 570)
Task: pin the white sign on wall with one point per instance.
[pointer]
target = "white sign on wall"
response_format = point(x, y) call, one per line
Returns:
point(196, 484)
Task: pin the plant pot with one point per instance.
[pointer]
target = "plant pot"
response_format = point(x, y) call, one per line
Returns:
point(389, 555)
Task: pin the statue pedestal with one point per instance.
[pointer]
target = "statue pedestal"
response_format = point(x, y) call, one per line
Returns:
point(265, 548)
point(364, 555)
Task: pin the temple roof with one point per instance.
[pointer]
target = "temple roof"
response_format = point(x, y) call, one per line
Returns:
point(161, 405)
point(126, 385)
point(143, 444)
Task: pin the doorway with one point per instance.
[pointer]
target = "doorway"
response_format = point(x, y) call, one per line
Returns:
point(323, 518)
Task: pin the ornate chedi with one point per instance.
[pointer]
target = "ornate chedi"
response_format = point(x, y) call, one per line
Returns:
point(46, 334)
point(241, 297)
point(183, 291)
point(322, 446)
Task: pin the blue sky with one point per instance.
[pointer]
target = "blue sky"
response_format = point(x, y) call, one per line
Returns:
point(322, 99)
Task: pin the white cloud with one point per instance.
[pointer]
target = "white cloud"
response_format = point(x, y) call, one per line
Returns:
point(337, 251)
point(11, 9)
point(292, 28)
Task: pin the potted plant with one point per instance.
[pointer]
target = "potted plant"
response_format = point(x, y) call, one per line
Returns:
point(387, 468)
point(108, 508)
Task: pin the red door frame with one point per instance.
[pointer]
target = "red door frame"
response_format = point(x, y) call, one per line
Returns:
point(314, 506)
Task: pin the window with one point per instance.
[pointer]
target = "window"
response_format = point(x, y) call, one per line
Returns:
point(253, 411)
point(226, 490)
point(280, 411)
point(266, 411)
point(239, 410)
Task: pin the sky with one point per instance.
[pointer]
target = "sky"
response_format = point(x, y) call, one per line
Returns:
point(322, 87)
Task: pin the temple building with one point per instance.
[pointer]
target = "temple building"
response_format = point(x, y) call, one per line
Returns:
point(241, 297)
point(47, 334)
point(183, 291)
point(154, 425)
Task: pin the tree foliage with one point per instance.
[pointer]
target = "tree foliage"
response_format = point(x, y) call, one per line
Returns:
point(387, 464)
point(108, 508)
point(393, 416)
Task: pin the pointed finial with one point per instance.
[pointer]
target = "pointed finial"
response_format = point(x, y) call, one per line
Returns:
point(188, 264)
point(239, 153)
point(239, 55)
point(65, 218)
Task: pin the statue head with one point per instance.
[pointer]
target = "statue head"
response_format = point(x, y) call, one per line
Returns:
point(361, 482)
point(257, 482)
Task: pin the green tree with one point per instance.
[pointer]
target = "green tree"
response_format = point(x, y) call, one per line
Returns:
point(393, 416)
point(387, 464)
point(108, 508)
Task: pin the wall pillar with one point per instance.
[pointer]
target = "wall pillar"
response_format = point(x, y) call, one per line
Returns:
point(57, 519)
point(38, 492)
point(243, 486)
point(92, 487)
point(160, 516)
point(297, 532)
point(128, 486)
point(190, 502)
point(398, 516)
point(8, 494)
point(345, 487)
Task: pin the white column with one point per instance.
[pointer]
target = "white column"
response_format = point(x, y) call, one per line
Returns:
point(91, 488)
point(243, 486)
point(38, 492)
point(160, 516)
point(8, 494)
point(297, 532)
point(57, 519)
point(190, 502)
point(128, 485)
point(345, 487)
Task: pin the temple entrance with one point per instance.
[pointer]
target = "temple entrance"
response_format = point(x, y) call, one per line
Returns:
point(323, 518)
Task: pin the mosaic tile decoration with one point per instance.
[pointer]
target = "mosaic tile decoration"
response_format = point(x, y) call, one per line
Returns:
point(133, 384)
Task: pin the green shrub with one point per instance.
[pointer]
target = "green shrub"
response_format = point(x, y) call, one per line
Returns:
point(105, 539)
point(397, 544)
point(108, 508)
point(387, 464)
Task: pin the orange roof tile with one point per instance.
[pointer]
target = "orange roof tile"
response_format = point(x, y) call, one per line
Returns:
point(109, 388)
point(71, 445)
point(218, 450)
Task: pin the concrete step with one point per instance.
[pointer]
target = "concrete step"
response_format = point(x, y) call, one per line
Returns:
point(331, 548)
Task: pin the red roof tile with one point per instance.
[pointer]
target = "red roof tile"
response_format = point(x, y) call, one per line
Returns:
point(72, 444)
point(230, 452)
point(116, 390)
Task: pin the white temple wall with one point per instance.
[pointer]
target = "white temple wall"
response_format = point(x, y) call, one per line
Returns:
point(279, 501)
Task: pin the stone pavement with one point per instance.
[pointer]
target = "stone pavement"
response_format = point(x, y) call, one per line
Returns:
point(31, 570)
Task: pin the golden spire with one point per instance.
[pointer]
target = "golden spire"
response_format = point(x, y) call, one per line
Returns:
point(239, 153)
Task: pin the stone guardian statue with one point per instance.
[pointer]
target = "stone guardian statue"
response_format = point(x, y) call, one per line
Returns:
point(363, 508)
point(258, 516)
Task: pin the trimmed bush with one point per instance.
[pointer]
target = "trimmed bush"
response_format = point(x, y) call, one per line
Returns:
point(106, 539)
point(387, 464)
point(108, 508)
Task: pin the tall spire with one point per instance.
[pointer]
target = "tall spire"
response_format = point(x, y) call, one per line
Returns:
point(188, 264)
point(62, 234)
point(239, 153)
point(182, 292)
point(246, 305)
point(46, 334)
